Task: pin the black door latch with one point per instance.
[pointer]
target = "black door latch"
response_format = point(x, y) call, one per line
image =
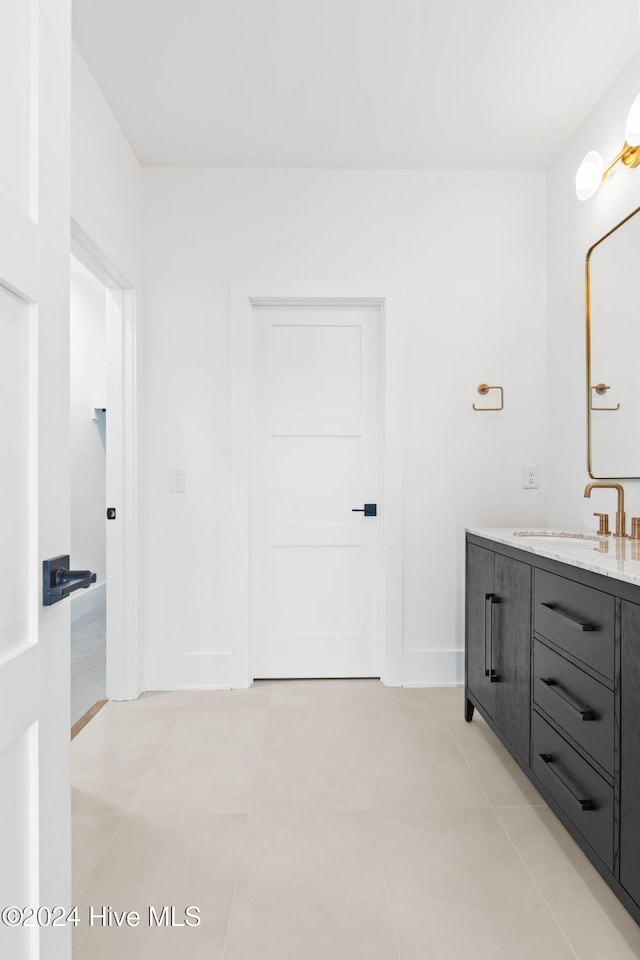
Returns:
point(369, 510)
point(111, 513)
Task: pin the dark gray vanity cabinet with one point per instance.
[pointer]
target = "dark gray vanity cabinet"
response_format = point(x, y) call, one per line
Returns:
point(553, 665)
point(499, 641)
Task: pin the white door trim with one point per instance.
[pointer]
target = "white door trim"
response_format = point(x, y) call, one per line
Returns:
point(242, 301)
point(124, 664)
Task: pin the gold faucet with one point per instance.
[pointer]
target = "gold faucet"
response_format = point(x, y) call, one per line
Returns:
point(621, 522)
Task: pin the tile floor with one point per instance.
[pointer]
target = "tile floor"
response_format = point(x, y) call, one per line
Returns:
point(325, 820)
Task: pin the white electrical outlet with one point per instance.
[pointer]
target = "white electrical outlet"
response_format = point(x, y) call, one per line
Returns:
point(530, 477)
point(177, 482)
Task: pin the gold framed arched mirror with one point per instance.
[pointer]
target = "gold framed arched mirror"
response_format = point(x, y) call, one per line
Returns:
point(613, 352)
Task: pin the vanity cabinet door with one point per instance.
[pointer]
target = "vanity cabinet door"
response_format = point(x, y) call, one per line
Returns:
point(498, 654)
point(630, 750)
point(480, 619)
point(512, 651)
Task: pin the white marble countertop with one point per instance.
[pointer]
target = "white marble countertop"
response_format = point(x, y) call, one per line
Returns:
point(608, 556)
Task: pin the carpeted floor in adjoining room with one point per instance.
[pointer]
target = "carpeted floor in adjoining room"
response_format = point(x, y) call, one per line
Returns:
point(88, 660)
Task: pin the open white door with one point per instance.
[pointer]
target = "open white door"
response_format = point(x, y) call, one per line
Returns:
point(34, 482)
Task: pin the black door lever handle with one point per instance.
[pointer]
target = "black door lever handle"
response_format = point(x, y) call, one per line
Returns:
point(69, 580)
point(58, 581)
point(369, 510)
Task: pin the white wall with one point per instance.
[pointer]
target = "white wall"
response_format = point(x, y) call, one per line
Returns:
point(88, 440)
point(469, 250)
point(106, 177)
point(573, 227)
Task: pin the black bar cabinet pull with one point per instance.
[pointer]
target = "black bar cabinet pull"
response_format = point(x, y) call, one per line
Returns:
point(584, 802)
point(487, 663)
point(583, 713)
point(58, 581)
point(489, 600)
point(582, 625)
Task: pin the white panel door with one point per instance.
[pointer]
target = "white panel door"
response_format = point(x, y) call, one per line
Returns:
point(316, 565)
point(34, 481)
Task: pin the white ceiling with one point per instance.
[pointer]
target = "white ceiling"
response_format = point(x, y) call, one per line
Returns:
point(354, 83)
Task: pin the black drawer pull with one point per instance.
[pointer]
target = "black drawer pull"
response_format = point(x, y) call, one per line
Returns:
point(577, 624)
point(489, 600)
point(584, 802)
point(584, 713)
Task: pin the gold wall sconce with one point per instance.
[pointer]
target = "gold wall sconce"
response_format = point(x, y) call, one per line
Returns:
point(601, 389)
point(592, 170)
point(483, 390)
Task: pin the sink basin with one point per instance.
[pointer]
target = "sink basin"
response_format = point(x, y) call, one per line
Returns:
point(556, 539)
point(562, 541)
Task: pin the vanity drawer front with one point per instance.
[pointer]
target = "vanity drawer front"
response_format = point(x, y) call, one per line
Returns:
point(579, 619)
point(575, 786)
point(576, 702)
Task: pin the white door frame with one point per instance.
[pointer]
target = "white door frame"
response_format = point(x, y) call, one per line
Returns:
point(242, 301)
point(124, 663)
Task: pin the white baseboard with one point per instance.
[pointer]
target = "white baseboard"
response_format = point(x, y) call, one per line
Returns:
point(212, 671)
point(187, 671)
point(86, 601)
point(432, 668)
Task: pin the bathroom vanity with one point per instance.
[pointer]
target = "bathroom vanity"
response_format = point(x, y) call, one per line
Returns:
point(553, 665)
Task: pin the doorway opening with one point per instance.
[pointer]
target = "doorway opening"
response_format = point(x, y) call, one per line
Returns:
point(88, 425)
point(104, 482)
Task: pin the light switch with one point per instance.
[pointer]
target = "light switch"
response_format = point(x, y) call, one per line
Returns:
point(177, 482)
